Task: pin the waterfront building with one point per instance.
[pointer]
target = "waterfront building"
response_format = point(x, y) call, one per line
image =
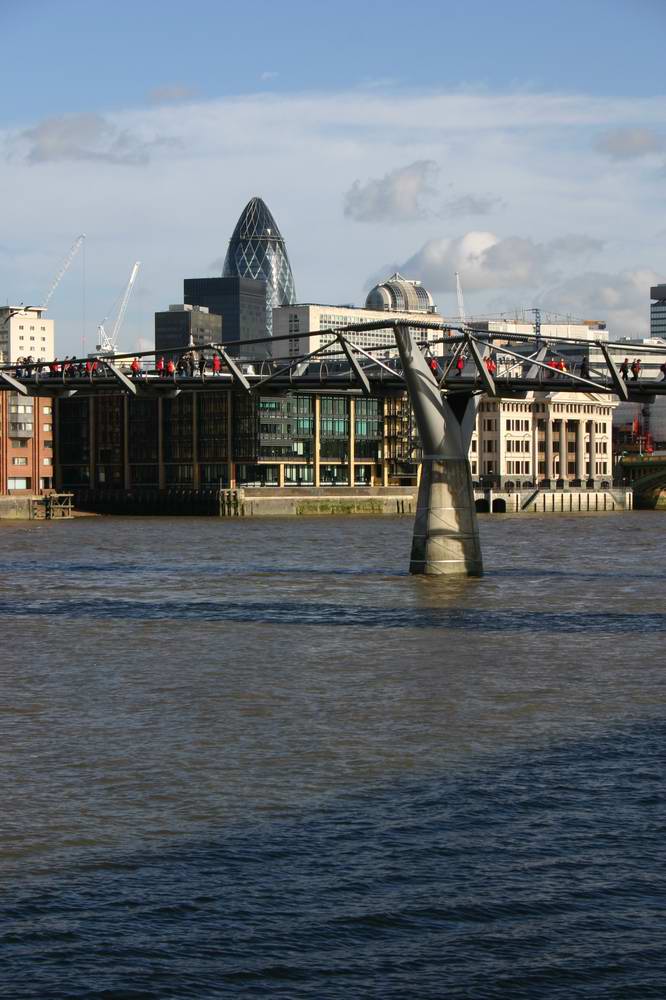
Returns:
point(183, 326)
point(658, 311)
point(257, 250)
point(26, 423)
point(214, 437)
point(241, 302)
point(26, 444)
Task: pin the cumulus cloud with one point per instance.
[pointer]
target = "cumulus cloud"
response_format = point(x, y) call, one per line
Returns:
point(620, 298)
point(85, 137)
point(397, 197)
point(629, 143)
point(486, 261)
point(171, 93)
point(469, 204)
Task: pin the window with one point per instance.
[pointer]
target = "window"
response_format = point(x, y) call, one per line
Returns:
point(48, 427)
point(19, 461)
point(46, 461)
point(18, 484)
point(48, 410)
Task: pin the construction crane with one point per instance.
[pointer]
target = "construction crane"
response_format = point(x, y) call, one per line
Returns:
point(108, 342)
point(73, 250)
point(461, 303)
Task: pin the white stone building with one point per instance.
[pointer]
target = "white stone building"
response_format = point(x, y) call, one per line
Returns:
point(548, 437)
point(25, 331)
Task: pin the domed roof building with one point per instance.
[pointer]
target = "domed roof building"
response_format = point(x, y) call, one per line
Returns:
point(399, 294)
point(257, 250)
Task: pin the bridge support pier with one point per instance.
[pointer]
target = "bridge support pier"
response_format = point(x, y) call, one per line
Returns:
point(446, 536)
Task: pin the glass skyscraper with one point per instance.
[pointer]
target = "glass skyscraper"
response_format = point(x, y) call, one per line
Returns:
point(257, 250)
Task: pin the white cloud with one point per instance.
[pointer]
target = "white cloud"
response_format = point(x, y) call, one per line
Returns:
point(620, 298)
point(85, 137)
point(629, 143)
point(302, 152)
point(486, 261)
point(399, 196)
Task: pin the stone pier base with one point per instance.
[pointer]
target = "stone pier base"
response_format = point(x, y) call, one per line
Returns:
point(446, 537)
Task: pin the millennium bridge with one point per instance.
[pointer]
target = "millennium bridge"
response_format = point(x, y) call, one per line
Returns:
point(444, 377)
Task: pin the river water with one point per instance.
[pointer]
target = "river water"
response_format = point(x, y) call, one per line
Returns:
point(255, 758)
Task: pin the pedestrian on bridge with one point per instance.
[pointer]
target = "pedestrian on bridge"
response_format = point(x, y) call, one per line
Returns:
point(635, 369)
point(159, 367)
point(217, 364)
point(460, 364)
point(624, 369)
point(170, 368)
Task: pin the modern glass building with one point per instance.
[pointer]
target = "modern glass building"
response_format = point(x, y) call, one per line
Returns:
point(257, 250)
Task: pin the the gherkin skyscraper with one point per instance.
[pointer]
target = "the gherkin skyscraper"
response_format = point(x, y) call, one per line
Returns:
point(257, 250)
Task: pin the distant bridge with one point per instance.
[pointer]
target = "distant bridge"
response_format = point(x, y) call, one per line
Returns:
point(444, 377)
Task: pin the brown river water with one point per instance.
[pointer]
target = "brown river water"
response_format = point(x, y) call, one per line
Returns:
point(257, 758)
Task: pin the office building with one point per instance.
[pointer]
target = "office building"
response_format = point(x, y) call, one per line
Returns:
point(658, 311)
point(26, 332)
point(241, 302)
point(257, 250)
point(220, 436)
point(182, 326)
point(26, 423)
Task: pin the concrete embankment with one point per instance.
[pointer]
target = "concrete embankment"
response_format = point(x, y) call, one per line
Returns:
point(267, 501)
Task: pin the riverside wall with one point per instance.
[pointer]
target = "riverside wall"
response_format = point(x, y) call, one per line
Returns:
point(266, 501)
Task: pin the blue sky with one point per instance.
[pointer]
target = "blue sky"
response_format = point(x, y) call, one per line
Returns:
point(523, 143)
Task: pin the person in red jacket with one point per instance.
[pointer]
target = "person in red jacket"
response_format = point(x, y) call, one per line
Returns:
point(136, 367)
point(460, 364)
point(170, 368)
point(159, 367)
point(217, 364)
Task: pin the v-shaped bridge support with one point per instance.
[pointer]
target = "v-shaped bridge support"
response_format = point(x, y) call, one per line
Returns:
point(446, 534)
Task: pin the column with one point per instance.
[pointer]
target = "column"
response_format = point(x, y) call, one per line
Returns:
point(92, 442)
point(231, 468)
point(317, 441)
point(593, 449)
point(385, 469)
point(161, 475)
point(548, 475)
point(446, 538)
point(195, 443)
point(126, 467)
point(534, 457)
point(352, 438)
point(564, 451)
point(580, 452)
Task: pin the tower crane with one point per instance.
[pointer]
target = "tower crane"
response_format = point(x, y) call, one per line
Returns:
point(108, 342)
point(73, 250)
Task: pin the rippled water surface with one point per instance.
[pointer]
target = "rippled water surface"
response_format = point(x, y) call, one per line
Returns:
point(258, 759)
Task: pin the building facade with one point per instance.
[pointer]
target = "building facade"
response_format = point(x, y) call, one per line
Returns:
point(301, 325)
point(221, 437)
point(26, 332)
point(658, 311)
point(182, 326)
point(26, 444)
point(257, 250)
point(241, 302)
point(26, 423)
